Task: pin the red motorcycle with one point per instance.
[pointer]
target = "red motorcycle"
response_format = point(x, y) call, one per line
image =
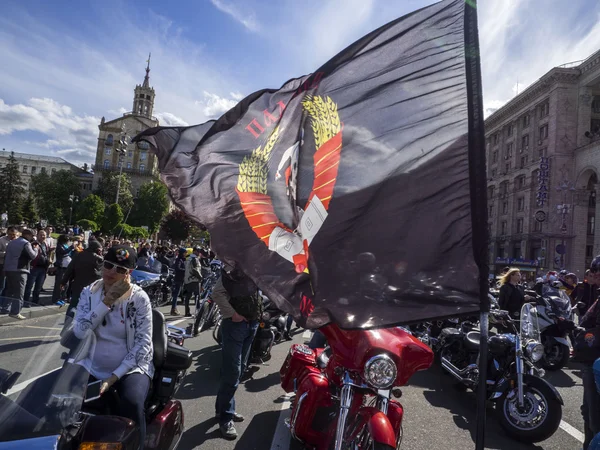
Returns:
point(343, 393)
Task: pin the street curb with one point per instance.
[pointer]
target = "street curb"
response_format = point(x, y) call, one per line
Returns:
point(32, 313)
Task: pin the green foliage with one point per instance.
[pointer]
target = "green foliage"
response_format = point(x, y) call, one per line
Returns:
point(127, 231)
point(52, 194)
point(12, 190)
point(29, 211)
point(150, 206)
point(107, 190)
point(112, 218)
point(88, 224)
point(177, 226)
point(91, 208)
point(138, 233)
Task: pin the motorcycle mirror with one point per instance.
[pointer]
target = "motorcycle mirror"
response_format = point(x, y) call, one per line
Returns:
point(8, 380)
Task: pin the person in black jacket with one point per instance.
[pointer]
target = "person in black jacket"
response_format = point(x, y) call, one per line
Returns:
point(179, 269)
point(512, 294)
point(63, 259)
point(83, 270)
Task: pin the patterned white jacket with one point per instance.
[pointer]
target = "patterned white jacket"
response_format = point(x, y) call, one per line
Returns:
point(138, 321)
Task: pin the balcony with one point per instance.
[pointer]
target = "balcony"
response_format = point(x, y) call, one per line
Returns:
point(133, 171)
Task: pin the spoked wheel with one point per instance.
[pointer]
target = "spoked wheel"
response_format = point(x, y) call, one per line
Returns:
point(537, 419)
point(217, 332)
point(201, 318)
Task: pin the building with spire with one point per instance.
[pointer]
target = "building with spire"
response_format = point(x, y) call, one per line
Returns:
point(134, 160)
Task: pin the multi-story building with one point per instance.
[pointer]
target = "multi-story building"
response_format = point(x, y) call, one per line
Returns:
point(134, 160)
point(543, 160)
point(30, 164)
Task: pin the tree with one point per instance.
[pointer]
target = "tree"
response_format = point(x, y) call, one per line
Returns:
point(150, 207)
point(29, 212)
point(53, 193)
point(123, 230)
point(12, 190)
point(112, 218)
point(176, 225)
point(107, 190)
point(88, 225)
point(91, 209)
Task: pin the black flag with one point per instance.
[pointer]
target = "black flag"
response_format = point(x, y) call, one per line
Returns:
point(355, 194)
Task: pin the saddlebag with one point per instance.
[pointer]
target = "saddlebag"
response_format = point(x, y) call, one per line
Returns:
point(177, 361)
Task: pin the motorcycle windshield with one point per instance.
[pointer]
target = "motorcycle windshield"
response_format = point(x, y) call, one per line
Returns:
point(530, 329)
point(559, 301)
point(48, 394)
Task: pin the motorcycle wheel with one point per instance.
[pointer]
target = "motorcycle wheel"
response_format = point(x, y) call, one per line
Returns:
point(557, 357)
point(537, 420)
point(201, 317)
point(378, 446)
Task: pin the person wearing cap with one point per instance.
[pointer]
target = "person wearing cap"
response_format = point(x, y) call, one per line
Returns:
point(85, 268)
point(117, 315)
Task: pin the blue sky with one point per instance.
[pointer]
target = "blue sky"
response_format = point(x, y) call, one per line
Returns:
point(66, 64)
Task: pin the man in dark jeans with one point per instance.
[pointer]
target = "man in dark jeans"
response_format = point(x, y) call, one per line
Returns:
point(240, 306)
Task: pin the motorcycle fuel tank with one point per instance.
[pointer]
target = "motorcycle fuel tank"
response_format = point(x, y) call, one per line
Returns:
point(501, 343)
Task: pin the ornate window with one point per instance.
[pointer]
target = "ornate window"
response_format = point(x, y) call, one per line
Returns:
point(106, 163)
point(109, 140)
point(142, 167)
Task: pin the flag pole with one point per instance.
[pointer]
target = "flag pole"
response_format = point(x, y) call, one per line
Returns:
point(479, 210)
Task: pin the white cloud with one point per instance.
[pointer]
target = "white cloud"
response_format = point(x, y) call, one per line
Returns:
point(215, 106)
point(64, 129)
point(521, 40)
point(167, 119)
point(245, 18)
point(236, 95)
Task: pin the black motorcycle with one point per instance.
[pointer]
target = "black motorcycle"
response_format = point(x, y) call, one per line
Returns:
point(529, 408)
point(270, 331)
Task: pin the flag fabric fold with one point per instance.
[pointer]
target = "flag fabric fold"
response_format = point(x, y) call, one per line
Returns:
point(355, 194)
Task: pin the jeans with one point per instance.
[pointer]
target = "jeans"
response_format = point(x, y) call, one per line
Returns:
point(191, 289)
point(237, 341)
point(2, 279)
point(288, 323)
point(60, 271)
point(176, 289)
point(591, 407)
point(133, 390)
point(15, 289)
point(35, 281)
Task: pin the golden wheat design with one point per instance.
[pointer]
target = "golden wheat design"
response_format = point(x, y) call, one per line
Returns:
point(254, 167)
point(324, 116)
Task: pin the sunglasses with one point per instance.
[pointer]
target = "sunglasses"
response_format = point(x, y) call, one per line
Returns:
point(109, 266)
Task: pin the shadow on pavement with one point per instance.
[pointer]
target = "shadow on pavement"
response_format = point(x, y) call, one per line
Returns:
point(197, 435)
point(262, 384)
point(254, 437)
point(203, 376)
point(26, 344)
point(444, 393)
point(561, 379)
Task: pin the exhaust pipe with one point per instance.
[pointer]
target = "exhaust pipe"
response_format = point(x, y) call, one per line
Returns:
point(458, 373)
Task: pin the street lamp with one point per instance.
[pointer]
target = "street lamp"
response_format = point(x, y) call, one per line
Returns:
point(72, 198)
point(121, 149)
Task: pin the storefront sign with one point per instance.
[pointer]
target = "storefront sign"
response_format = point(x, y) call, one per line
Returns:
point(543, 177)
point(518, 262)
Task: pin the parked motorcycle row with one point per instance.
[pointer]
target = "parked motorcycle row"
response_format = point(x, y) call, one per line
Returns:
point(343, 396)
point(520, 350)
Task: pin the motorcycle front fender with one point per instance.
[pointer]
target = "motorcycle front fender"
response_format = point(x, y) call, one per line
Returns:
point(561, 340)
point(379, 426)
point(530, 380)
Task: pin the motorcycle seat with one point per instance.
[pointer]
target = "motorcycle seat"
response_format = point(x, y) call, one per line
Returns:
point(159, 338)
point(472, 340)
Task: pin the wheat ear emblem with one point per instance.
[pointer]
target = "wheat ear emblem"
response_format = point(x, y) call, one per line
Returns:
point(325, 120)
point(254, 167)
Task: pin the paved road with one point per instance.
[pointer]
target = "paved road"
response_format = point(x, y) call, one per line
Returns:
point(437, 415)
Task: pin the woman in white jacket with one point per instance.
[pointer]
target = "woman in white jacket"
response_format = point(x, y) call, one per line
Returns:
point(117, 317)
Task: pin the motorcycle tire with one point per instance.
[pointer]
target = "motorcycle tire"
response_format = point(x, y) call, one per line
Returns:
point(201, 319)
point(543, 430)
point(379, 446)
point(164, 298)
point(558, 362)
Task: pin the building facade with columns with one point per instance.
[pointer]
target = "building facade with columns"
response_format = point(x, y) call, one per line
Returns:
point(543, 161)
point(135, 160)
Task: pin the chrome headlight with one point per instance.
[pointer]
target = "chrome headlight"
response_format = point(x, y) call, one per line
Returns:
point(380, 371)
point(535, 350)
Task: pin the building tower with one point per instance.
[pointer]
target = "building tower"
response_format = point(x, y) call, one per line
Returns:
point(143, 99)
